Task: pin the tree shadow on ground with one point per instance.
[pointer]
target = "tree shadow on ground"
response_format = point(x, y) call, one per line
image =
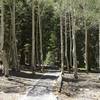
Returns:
point(28, 84)
point(72, 80)
point(26, 75)
point(49, 77)
point(45, 90)
point(14, 89)
point(33, 76)
point(86, 82)
point(53, 71)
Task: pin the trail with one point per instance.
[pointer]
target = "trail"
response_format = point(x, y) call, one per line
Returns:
point(43, 88)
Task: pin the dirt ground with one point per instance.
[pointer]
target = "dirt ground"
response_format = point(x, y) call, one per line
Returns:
point(14, 87)
point(11, 90)
point(87, 87)
point(27, 86)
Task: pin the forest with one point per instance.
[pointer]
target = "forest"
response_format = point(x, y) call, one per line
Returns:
point(50, 36)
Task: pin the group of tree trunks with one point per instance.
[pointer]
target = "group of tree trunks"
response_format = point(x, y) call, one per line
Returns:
point(67, 25)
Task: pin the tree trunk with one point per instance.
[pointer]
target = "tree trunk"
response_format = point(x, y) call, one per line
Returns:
point(33, 38)
point(2, 52)
point(37, 42)
point(74, 48)
point(3, 56)
point(2, 26)
point(62, 44)
point(86, 46)
point(14, 44)
point(70, 33)
point(66, 55)
point(99, 44)
point(40, 34)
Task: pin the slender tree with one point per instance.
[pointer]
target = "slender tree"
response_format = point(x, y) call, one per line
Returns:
point(99, 44)
point(3, 54)
point(86, 45)
point(37, 40)
point(33, 37)
point(40, 34)
point(74, 46)
point(70, 32)
point(2, 26)
point(86, 37)
point(62, 43)
point(66, 49)
point(14, 44)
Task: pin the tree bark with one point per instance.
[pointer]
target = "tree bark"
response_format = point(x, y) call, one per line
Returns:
point(62, 44)
point(37, 42)
point(86, 39)
point(86, 46)
point(99, 44)
point(2, 51)
point(74, 48)
point(40, 34)
point(66, 55)
point(70, 33)
point(2, 26)
point(33, 38)
point(14, 44)
point(3, 56)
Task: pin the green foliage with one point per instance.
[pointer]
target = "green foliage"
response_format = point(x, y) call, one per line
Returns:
point(50, 58)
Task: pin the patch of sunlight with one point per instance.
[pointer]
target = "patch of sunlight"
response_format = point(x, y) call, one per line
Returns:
point(50, 96)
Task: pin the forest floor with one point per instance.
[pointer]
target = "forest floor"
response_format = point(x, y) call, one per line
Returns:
point(42, 86)
point(87, 87)
point(14, 87)
point(26, 86)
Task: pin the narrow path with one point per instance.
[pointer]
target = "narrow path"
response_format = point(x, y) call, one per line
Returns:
point(43, 89)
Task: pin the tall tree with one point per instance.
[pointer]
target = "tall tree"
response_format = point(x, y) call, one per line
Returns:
point(66, 49)
point(62, 43)
point(86, 36)
point(40, 34)
point(99, 43)
point(70, 35)
point(2, 26)
point(74, 47)
point(74, 11)
point(3, 54)
point(37, 38)
point(33, 36)
point(14, 44)
point(86, 45)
